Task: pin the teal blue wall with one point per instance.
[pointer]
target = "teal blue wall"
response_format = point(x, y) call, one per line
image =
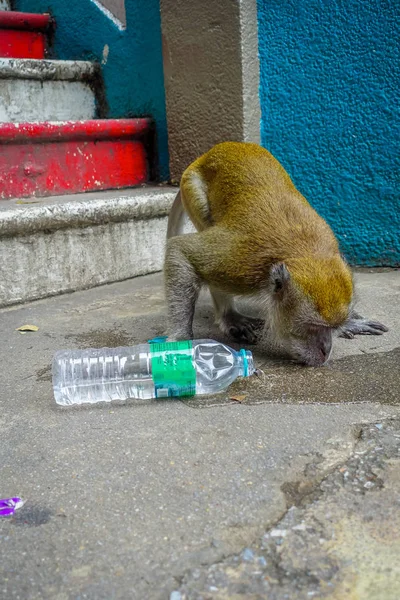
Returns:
point(133, 74)
point(330, 81)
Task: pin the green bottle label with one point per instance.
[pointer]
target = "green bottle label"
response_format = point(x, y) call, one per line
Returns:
point(172, 369)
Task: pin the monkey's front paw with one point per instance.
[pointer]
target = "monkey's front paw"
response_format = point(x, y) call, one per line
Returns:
point(360, 326)
point(242, 329)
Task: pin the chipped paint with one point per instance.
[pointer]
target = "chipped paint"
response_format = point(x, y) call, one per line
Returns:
point(111, 155)
point(23, 35)
point(106, 51)
point(22, 44)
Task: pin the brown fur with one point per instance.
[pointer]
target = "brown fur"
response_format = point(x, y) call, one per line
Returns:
point(253, 204)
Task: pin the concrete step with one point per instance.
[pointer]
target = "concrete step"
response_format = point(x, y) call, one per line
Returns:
point(68, 243)
point(23, 35)
point(50, 158)
point(47, 90)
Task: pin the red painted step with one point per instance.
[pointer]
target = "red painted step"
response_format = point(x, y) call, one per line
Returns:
point(23, 35)
point(45, 159)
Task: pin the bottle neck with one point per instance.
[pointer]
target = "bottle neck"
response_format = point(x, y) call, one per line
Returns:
point(246, 363)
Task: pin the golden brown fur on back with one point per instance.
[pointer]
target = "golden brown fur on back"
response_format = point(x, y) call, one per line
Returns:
point(249, 193)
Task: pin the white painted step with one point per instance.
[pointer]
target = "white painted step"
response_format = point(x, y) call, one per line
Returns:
point(47, 90)
point(68, 243)
point(5, 5)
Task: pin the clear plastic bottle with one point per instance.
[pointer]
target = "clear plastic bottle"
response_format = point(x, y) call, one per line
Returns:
point(147, 371)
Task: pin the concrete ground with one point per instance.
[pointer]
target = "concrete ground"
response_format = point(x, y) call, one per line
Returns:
point(292, 493)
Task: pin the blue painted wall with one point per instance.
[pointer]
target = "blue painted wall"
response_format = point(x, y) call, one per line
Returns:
point(330, 80)
point(133, 74)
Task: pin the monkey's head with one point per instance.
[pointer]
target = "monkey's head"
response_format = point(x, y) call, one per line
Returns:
point(308, 301)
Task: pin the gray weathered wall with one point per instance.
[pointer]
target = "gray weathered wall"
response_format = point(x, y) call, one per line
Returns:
point(211, 75)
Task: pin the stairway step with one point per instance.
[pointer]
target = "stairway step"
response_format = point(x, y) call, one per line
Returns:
point(61, 244)
point(23, 35)
point(45, 70)
point(47, 90)
point(43, 159)
point(24, 21)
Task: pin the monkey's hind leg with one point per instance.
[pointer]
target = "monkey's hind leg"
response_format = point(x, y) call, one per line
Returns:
point(182, 287)
point(358, 325)
point(233, 323)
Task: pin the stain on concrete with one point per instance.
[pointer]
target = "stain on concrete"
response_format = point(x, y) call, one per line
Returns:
point(361, 378)
point(32, 515)
point(299, 492)
point(44, 375)
point(101, 338)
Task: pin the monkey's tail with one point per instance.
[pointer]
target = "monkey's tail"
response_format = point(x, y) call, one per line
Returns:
point(176, 219)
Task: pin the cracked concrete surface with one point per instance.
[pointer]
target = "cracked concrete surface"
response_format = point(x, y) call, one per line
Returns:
point(341, 541)
point(149, 499)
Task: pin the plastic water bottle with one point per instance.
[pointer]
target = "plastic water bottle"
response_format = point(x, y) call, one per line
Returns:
point(154, 370)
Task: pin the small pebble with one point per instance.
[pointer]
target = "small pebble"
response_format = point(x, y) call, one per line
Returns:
point(247, 554)
point(196, 574)
point(378, 425)
point(301, 527)
point(175, 596)
point(277, 532)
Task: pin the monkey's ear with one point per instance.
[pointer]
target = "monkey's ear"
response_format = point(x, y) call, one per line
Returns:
point(279, 278)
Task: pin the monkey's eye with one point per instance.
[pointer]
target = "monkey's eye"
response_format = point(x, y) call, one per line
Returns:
point(312, 329)
point(300, 332)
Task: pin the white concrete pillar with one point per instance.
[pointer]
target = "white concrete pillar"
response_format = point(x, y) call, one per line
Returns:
point(211, 74)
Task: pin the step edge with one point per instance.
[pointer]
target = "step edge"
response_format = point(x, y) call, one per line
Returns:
point(139, 204)
point(31, 132)
point(5, 304)
point(24, 21)
point(48, 70)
